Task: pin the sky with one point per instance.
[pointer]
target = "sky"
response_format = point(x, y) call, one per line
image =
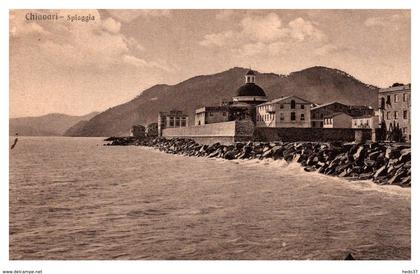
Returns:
point(76, 67)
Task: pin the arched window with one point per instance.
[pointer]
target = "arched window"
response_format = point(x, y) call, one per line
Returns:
point(292, 104)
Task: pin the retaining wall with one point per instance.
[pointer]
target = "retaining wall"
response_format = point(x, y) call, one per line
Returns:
point(265, 134)
point(224, 133)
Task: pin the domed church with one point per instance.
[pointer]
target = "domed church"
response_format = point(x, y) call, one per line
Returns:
point(250, 93)
point(242, 106)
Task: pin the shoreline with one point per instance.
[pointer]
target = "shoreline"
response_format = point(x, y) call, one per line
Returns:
point(381, 163)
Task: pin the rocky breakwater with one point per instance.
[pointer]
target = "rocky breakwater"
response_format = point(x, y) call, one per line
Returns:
point(383, 163)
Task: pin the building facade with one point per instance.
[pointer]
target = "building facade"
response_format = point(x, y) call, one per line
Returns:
point(338, 120)
point(152, 130)
point(395, 108)
point(290, 111)
point(171, 119)
point(210, 115)
point(366, 121)
point(318, 113)
point(138, 131)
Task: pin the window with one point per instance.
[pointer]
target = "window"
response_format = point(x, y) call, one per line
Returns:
point(224, 113)
point(177, 121)
point(293, 116)
point(388, 99)
point(292, 104)
point(281, 116)
point(395, 114)
point(171, 121)
point(302, 106)
point(313, 124)
point(322, 124)
point(404, 130)
point(322, 115)
point(388, 113)
point(396, 99)
point(405, 97)
point(405, 114)
point(281, 105)
point(313, 115)
point(302, 117)
point(382, 103)
point(183, 122)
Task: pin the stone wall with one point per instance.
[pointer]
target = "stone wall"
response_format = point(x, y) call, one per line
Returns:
point(311, 134)
point(224, 133)
point(244, 130)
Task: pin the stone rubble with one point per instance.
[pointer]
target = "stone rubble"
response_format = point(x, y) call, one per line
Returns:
point(383, 163)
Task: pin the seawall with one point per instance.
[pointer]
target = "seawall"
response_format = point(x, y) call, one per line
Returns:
point(228, 133)
point(224, 133)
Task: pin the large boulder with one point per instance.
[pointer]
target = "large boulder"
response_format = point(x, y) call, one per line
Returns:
point(380, 172)
point(392, 152)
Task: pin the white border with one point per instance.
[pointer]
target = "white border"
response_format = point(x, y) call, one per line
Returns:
point(203, 266)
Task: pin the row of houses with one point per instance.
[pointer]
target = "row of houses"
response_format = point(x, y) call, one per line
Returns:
point(250, 102)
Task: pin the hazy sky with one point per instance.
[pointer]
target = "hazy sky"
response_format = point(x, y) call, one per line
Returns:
point(78, 67)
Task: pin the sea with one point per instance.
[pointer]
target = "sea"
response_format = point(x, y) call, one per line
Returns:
point(76, 199)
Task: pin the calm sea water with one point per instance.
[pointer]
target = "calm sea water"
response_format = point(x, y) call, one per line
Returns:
point(72, 198)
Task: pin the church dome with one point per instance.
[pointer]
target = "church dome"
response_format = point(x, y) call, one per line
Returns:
point(250, 89)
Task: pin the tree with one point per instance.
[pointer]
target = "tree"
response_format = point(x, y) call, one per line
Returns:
point(394, 134)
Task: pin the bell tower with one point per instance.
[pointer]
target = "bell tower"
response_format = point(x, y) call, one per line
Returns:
point(250, 77)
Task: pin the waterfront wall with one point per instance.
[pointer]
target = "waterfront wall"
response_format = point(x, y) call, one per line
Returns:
point(224, 133)
point(244, 130)
point(266, 134)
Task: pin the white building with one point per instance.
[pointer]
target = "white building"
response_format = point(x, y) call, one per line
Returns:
point(290, 111)
point(367, 121)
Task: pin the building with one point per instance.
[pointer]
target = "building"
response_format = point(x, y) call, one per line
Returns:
point(290, 111)
point(210, 115)
point(395, 108)
point(318, 113)
point(250, 93)
point(360, 111)
point(152, 130)
point(365, 121)
point(138, 131)
point(171, 119)
point(338, 120)
point(242, 106)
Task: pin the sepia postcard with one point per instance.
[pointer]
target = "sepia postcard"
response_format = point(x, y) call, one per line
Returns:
point(209, 134)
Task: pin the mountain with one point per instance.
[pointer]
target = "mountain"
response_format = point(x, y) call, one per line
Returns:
point(316, 84)
point(53, 124)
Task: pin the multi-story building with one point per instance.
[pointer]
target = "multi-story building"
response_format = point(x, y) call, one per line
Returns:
point(171, 119)
point(290, 111)
point(395, 108)
point(318, 113)
point(210, 115)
